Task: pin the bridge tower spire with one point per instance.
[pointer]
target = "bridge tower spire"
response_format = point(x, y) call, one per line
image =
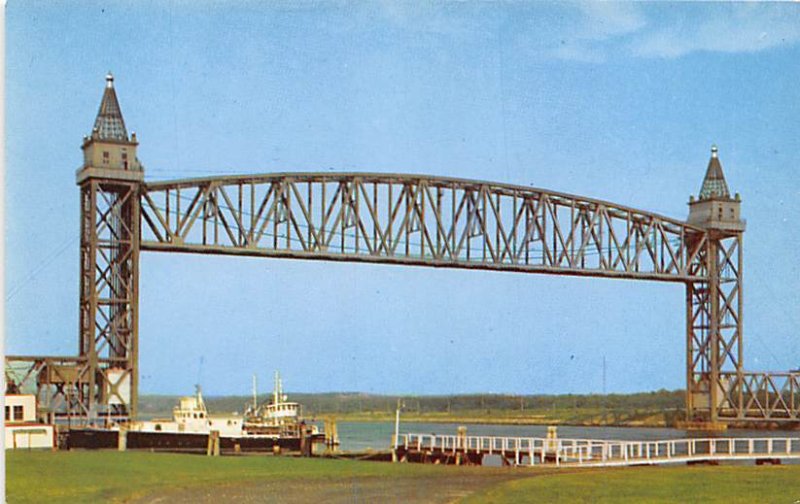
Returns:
point(110, 181)
point(714, 351)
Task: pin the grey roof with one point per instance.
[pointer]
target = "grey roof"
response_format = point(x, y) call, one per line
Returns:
point(714, 185)
point(109, 124)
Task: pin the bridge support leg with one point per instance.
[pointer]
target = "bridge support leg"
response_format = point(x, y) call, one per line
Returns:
point(109, 269)
point(714, 389)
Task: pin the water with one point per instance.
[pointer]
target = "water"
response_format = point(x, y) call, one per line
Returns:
point(360, 436)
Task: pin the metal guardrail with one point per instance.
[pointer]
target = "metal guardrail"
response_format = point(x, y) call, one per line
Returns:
point(594, 452)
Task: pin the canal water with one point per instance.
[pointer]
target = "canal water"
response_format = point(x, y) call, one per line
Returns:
point(360, 436)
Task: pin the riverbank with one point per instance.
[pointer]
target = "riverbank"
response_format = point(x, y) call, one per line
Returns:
point(661, 408)
point(576, 418)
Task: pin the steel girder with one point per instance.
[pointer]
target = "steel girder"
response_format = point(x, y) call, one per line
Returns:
point(757, 397)
point(398, 219)
point(61, 385)
point(109, 254)
point(420, 220)
point(715, 331)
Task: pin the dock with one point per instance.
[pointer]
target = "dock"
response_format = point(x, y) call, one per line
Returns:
point(562, 452)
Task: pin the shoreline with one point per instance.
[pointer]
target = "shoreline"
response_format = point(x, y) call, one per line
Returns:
point(494, 421)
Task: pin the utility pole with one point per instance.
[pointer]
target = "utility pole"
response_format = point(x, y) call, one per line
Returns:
point(400, 405)
point(604, 375)
point(397, 423)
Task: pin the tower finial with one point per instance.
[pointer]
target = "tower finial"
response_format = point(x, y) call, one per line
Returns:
point(109, 123)
point(714, 185)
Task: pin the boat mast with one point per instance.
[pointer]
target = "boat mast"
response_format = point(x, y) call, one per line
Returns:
point(277, 392)
point(255, 393)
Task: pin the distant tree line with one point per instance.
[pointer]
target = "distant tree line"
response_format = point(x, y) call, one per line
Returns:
point(354, 402)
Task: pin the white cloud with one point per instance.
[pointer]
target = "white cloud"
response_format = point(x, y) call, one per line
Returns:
point(599, 24)
point(739, 28)
point(655, 30)
point(604, 20)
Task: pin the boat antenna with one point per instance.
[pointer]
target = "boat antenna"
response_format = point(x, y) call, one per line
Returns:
point(200, 369)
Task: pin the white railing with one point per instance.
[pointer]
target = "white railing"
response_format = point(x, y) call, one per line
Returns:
point(533, 451)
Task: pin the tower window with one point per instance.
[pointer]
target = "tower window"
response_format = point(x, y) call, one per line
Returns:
point(105, 157)
point(125, 160)
point(18, 413)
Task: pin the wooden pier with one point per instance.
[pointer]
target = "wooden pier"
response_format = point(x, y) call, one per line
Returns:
point(528, 451)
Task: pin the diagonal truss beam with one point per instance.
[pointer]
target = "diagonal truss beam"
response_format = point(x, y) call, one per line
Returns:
point(418, 220)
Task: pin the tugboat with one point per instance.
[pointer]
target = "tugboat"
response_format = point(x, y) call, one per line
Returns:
point(279, 417)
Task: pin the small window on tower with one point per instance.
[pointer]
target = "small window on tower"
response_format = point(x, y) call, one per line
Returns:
point(18, 413)
point(125, 160)
point(105, 157)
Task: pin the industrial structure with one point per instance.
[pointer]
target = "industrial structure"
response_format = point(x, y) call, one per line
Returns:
point(391, 219)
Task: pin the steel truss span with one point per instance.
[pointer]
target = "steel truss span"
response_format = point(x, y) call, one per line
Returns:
point(419, 220)
point(395, 219)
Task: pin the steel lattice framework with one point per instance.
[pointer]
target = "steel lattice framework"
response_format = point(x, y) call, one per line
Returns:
point(410, 220)
point(391, 219)
point(420, 220)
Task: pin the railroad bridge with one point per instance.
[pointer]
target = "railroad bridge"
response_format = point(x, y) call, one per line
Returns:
point(391, 219)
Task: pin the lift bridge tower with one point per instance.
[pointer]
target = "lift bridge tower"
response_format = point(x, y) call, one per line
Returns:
point(110, 181)
point(714, 357)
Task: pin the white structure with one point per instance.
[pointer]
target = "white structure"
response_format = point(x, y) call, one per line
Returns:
point(278, 417)
point(22, 429)
point(191, 417)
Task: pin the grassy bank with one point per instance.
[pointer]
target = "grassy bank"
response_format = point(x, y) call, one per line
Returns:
point(97, 476)
point(582, 417)
point(732, 484)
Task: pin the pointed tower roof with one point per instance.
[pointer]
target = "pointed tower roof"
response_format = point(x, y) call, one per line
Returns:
point(714, 185)
point(109, 124)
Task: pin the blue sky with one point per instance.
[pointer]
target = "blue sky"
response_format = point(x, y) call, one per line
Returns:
point(615, 101)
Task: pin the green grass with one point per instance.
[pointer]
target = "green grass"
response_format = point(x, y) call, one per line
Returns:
point(109, 476)
point(102, 476)
point(706, 484)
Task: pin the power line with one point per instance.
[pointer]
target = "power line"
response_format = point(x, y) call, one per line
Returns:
point(40, 267)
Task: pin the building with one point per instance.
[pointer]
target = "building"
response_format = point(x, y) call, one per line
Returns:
point(22, 429)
